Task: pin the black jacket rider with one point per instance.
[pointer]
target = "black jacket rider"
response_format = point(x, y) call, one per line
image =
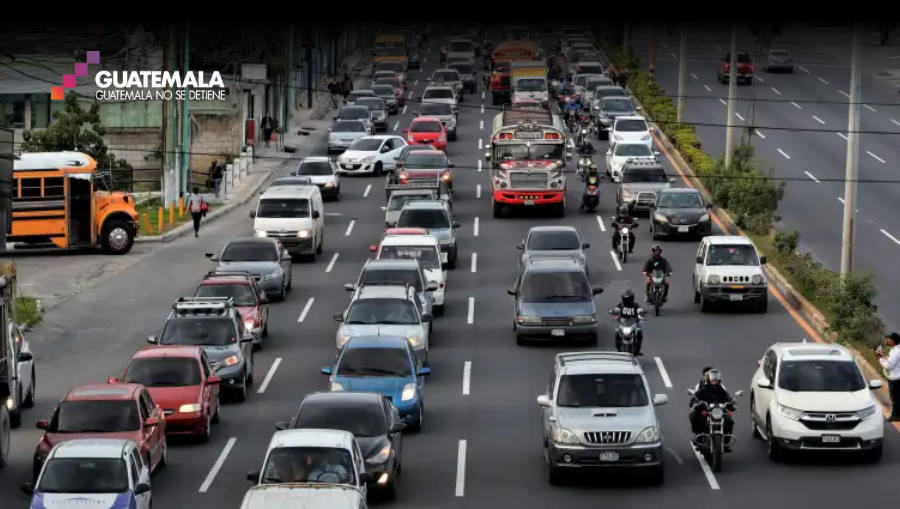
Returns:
point(710, 394)
point(627, 307)
point(623, 218)
point(656, 263)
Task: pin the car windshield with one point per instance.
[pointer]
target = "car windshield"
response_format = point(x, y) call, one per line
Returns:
point(423, 218)
point(254, 251)
point(553, 241)
point(779, 53)
point(164, 372)
point(242, 293)
point(680, 201)
point(84, 475)
point(632, 150)
point(592, 69)
point(820, 376)
point(395, 67)
point(645, 176)
point(461, 46)
point(555, 287)
point(436, 109)
point(602, 391)
point(617, 105)
point(426, 162)
point(375, 277)
point(631, 126)
point(609, 92)
point(349, 126)
point(367, 145)
point(360, 94)
point(326, 465)
point(291, 181)
point(531, 84)
point(426, 127)
point(744, 58)
point(96, 416)
point(463, 68)
point(363, 420)
point(582, 78)
point(373, 103)
point(381, 312)
point(315, 168)
point(282, 208)
point(383, 90)
point(391, 82)
point(445, 76)
point(732, 255)
point(389, 49)
point(198, 332)
point(399, 200)
point(354, 113)
point(375, 362)
point(438, 93)
point(427, 255)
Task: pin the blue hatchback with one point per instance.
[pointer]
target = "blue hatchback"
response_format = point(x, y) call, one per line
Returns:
point(384, 365)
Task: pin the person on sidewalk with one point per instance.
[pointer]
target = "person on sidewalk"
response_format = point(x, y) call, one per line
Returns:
point(623, 77)
point(218, 172)
point(334, 88)
point(891, 367)
point(268, 126)
point(346, 86)
point(199, 207)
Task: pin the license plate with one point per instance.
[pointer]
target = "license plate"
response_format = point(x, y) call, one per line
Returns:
point(609, 456)
point(558, 332)
point(737, 297)
point(831, 439)
point(529, 202)
point(444, 258)
point(683, 229)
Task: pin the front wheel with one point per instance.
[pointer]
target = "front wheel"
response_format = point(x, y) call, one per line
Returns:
point(5, 438)
point(117, 237)
point(716, 454)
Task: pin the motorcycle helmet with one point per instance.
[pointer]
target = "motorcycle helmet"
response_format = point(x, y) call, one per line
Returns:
point(627, 298)
point(622, 210)
point(656, 250)
point(713, 376)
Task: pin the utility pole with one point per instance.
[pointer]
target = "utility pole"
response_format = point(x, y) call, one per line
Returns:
point(186, 118)
point(732, 92)
point(309, 66)
point(289, 91)
point(849, 232)
point(682, 72)
point(171, 171)
point(652, 73)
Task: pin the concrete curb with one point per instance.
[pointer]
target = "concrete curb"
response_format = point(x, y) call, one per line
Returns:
point(214, 215)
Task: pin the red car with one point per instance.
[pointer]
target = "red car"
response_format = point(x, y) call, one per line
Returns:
point(182, 382)
point(745, 68)
point(427, 165)
point(427, 131)
point(250, 300)
point(125, 411)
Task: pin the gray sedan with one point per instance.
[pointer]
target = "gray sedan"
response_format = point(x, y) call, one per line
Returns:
point(264, 258)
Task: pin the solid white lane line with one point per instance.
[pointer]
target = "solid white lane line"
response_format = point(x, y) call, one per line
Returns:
point(482, 108)
point(306, 309)
point(707, 88)
point(480, 141)
point(478, 191)
point(894, 121)
point(738, 115)
point(888, 235)
point(796, 105)
point(775, 90)
point(842, 135)
point(600, 223)
point(396, 125)
point(710, 477)
point(783, 153)
point(461, 469)
point(803, 69)
point(269, 375)
point(217, 465)
point(467, 377)
point(474, 262)
point(404, 109)
point(331, 263)
point(810, 175)
point(366, 192)
point(845, 94)
point(823, 81)
point(475, 228)
point(694, 76)
point(615, 258)
point(479, 165)
point(350, 228)
point(880, 160)
point(481, 124)
point(471, 318)
point(817, 119)
point(723, 101)
point(663, 373)
point(760, 134)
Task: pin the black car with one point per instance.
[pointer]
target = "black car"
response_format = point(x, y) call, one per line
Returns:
point(680, 212)
point(371, 417)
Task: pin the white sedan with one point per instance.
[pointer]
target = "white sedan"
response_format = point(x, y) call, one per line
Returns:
point(622, 151)
point(23, 387)
point(371, 154)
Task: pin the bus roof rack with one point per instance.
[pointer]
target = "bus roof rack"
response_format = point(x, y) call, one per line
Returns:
point(533, 115)
point(203, 305)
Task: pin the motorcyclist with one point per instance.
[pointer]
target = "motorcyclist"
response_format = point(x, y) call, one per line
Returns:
point(712, 392)
point(573, 106)
point(656, 262)
point(623, 219)
point(703, 379)
point(628, 308)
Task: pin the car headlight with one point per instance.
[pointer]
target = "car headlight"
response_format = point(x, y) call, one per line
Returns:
point(704, 218)
point(381, 456)
point(370, 159)
point(757, 279)
point(713, 279)
point(444, 242)
point(342, 340)
point(336, 386)
point(661, 218)
point(260, 233)
point(329, 184)
point(273, 275)
point(304, 234)
point(528, 319)
point(791, 413)
point(868, 412)
point(231, 361)
point(564, 436)
point(195, 407)
point(451, 123)
point(627, 195)
point(249, 325)
point(585, 319)
point(649, 435)
point(646, 137)
point(414, 341)
point(409, 392)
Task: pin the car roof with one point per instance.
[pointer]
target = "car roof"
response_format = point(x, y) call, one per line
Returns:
point(409, 240)
point(382, 292)
point(280, 496)
point(728, 239)
point(553, 228)
point(441, 87)
point(591, 362)
point(103, 392)
point(364, 92)
point(614, 98)
point(316, 159)
point(398, 342)
point(680, 190)
point(416, 148)
point(813, 352)
point(298, 191)
point(631, 117)
point(169, 351)
point(392, 265)
point(111, 448)
point(431, 152)
point(312, 437)
point(226, 279)
point(426, 204)
point(405, 231)
point(554, 265)
point(381, 137)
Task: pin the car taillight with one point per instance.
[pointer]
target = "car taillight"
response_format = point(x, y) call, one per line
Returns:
point(442, 138)
point(441, 286)
point(410, 139)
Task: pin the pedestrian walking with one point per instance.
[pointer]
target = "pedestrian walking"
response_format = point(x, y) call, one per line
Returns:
point(891, 366)
point(623, 78)
point(334, 88)
point(217, 173)
point(346, 86)
point(268, 127)
point(199, 208)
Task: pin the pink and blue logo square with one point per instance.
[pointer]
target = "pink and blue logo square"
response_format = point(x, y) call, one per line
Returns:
point(69, 80)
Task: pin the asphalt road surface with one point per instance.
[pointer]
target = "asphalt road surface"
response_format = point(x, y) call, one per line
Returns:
point(801, 121)
point(481, 444)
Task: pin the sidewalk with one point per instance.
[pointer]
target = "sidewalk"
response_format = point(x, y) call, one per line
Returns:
point(358, 64)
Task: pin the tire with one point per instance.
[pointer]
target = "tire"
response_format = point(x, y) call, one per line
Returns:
point(216, 418)
point(439, 310)
point(657, 477)
point(206, 433)
point(715, 455)
point(30, 397)
point(591, 340)
point(337, 197)
point(555, 476)
point(321, 245)
point(451, 136)
point(378, 170)
point(390, 491)
point(116, 237)
point(15, 416)
point(240, 395)
point(755, 429)
point(451, 261)
point(416, 427)
point(705, 306)
point(5, 439)
point(498, 210)
point(762, 306)
point(774, 451)
point(874, 455)
point(164, 461)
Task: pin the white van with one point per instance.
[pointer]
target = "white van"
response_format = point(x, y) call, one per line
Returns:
point(295, 216)
point(304, 496)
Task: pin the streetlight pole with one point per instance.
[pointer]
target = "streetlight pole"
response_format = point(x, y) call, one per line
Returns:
point(849, 229)
point(682, 72)
point(732, 92)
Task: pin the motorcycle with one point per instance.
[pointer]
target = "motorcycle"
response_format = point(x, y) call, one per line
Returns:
point(712, 444)
point(591, 197)
point(583, 137)
point(657, 289)
point(624, 232)
point(626, 332)
point(584, 164)
point(571, 119)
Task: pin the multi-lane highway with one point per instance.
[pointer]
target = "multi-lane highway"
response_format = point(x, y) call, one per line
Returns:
point(801, 121)
point(481, 444)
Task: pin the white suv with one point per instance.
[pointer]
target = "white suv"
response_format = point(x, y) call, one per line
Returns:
point(729, 270)
point(808, 396)
point(631, 128)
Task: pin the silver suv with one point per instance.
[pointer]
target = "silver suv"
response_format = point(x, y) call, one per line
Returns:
point(598, 413)
point(640, 182)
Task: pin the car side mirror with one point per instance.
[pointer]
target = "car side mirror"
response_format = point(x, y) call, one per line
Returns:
point(398, 427)
point(316, 214)
point(366, 478)
point(451, 165)
point(699, 260)
point(596, 290)
point(151, 421)
point(427, 317)
point(350, 287)
point(423, 371)
point(660, 399)
point(456, 225)
point(252, 214)
point(432, 287)
point(543, 400)
point(738, 394)
point(152, 340)
point(656, 152)
point(762, 260)
point(247, 338)
point(373, 248)
point(25, 356)
point(585, 245)
point(520, 246)
point(487, 155)
point(263, 299)
point(142, 488)
point(764, 383)
point(671, 180)
point(281, 426)
point(43, 425)
point(112, 380)
point(253, 476)
point(327, 370)
point(286, 257)
point(338, 317)
point(511, 291)
point(875, 384)
point(609, 152)
point(213, 380)
point(27, 488)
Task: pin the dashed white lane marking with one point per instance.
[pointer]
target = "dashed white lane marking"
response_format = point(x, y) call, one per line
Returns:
point(396, 125)
point(615, 259)
point(880, 160)
point(306, 309)
point(723, 101)
point(461, 469)
point(823, 81)
point(803, 69)
point(666, 46)
point(810, 175)
point(710, 477)
point(759, 78)
point(738, 115)
point(866, 106)
point(694, 76)
point(467, 377)
point(482, 108)
point(600, 223)
point(841, 200)
point(334, 214)
point(718, 48)
point(475, 228)
point(350, 228)
point(425, 60)
point(481, 124)
point(479, 165)
point(217, 465)
point(707, 88)
point(410, 94)
point(674, 56)
point(760, 134)
point(474, 262)
point(663, 373)
point(796, 105)
point(470, 319)
point(888, 235)
point(782, 152)
point(482, 95)
point(894, 121)
point(842, 135)
point(332, 262)
point(478, 191)
point(480, 146)
point(269, 375)
point(817, 119)
point(415, 82)
point(404, 109)
point(366, 192)
point(845, 94)
point(775, 90)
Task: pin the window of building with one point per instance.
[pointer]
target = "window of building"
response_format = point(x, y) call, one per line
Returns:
point(40, 111)
point(12, 110)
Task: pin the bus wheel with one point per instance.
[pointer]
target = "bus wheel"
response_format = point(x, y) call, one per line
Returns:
point(117, 237)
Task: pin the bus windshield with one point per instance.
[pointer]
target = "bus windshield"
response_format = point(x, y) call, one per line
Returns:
point(390, 49)
point(520, 152)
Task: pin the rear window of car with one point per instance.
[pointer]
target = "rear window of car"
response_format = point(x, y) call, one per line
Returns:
point(409, 276)
point(426, 127)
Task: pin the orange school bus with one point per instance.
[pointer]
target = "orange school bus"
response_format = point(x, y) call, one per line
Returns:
point(505, 53)
point(55, 204)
